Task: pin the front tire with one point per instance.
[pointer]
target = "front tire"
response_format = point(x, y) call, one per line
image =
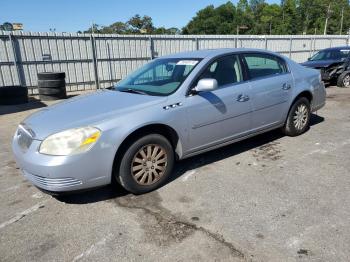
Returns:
point(344, 80)
point(298, 120)
point(147, 164)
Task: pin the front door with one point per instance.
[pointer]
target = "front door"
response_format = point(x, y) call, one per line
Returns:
point(220, 115)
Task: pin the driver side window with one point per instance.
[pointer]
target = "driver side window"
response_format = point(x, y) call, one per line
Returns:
point(226, 70)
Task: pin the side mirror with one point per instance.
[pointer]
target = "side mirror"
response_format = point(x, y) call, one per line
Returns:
point(309, 59)
point(206, 85)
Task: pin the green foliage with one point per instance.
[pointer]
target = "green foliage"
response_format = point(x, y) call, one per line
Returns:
point(135, 25)
point(6, 26)
point(289, 17)
point(248, 17)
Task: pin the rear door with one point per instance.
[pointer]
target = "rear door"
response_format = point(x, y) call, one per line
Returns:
point(271, 85)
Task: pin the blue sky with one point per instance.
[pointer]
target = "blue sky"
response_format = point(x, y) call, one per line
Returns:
point(74, 15)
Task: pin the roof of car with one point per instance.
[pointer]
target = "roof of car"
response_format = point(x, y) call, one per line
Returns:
point(212, 52)
point(338, 48)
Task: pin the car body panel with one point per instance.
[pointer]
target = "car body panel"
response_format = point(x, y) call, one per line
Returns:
point(321, 64)
point(106, 104)
point(201, 121)
point(224, 117)
point(270, 97)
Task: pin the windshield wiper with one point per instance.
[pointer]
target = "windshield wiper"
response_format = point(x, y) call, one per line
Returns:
point(135, 91)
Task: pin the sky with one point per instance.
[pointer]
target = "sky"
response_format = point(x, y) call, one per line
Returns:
point(75, 15)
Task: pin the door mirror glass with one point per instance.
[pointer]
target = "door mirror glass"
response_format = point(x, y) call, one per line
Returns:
point(206, 85)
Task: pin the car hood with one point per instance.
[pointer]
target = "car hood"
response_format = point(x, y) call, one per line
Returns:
point(87, 110)
point(320, 63)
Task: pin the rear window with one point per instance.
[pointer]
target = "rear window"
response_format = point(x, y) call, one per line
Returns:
point(262, 65)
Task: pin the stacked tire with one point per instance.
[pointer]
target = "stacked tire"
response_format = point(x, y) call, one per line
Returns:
point(13, 95)
point(52, 85)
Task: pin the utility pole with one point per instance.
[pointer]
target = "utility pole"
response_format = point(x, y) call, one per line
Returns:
point(327, 17)
point(342, 20)
point(306, 23)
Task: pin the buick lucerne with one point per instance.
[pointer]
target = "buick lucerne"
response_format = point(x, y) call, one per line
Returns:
point(172, 108)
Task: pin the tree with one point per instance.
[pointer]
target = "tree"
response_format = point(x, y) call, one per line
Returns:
point(6, 26)
point(259, 17)
point(120, 28)
point(290, 21)
point(202, 23)
point(271, 18)
point(141, 24)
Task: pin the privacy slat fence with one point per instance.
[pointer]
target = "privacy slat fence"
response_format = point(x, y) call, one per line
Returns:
point(98, 61)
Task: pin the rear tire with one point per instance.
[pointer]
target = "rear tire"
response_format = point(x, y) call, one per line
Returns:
point(146, 165)
point(344, 80)
point(298, 120)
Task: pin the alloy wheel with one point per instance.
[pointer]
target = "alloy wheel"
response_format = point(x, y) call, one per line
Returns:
point(346, 80)
point(300, 117)
point(149, 164)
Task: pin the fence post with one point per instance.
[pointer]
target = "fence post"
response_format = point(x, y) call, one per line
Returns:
point(314, 45)
point(348, 41)
point(94, 61)
point(290, 47)
point(310, 49)
point(236, 41)
point(197, 43)
point(17, 59)
point(151, 48)
point(265, 42)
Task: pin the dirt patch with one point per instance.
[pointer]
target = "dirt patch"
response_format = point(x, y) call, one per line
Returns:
point(42, 249)
point(165, 228)
point(303, 252)
point(270, 151)
point(185, 199)
point(161, 226)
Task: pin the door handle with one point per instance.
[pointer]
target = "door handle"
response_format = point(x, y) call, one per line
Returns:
point(242, 98)
point(286, 86)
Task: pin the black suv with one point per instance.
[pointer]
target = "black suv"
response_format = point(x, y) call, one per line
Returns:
point(334, 64)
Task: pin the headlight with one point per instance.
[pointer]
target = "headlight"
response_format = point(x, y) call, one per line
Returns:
point(69, 142)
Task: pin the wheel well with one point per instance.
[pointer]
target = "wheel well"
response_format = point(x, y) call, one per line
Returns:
point(161, 129)
point(306, 94)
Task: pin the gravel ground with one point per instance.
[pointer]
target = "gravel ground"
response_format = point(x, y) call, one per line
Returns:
point(269, 198)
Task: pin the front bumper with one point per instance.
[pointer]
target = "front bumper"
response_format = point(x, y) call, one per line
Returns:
point(330, 75)
point(326, 76)
point(64, 173)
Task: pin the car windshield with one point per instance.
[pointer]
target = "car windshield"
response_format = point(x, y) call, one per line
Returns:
point(330, 55)
point(160, 77)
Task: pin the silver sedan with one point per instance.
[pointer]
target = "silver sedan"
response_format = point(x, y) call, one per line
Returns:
point(172, 108)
